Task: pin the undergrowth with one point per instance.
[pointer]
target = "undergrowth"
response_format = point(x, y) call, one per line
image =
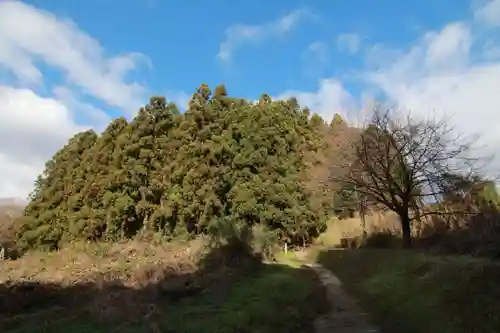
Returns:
point(145, 287)
point(419, 293)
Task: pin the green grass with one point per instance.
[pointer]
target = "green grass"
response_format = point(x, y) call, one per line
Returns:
point(273, 298)
point(290, 259)
point(417, 293)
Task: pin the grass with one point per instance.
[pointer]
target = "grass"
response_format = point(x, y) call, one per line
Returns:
point(82, 262)
point(419, 293)
point(290, 259)
point(136, 287)
point(352, 228)
point(276, 299)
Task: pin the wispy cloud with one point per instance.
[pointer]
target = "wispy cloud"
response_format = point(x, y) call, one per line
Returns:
point(315, 59)
point(491, 50)
point(240, 34)
point(28, 34)
point(87, 113)
point(349, 42)
point(489, 13)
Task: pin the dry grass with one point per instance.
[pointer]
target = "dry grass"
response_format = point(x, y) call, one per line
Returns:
point(476, 234)
point(145, 287)
point(93, 283)
point(377, 223)
point(82, 262)
point(352, 228)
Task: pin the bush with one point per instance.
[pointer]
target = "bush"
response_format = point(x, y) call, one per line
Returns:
point(381, 239)
point(476, 235)
point(265, 242)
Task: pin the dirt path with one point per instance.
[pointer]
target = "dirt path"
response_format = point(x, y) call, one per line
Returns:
point(345, 315)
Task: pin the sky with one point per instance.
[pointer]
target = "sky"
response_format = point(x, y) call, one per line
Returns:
point(68, 65)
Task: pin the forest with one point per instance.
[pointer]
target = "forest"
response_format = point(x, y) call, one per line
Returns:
point(222, 165)
point(120, 226)
point(228, 165)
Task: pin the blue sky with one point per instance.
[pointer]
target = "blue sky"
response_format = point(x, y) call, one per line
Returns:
point(182, 38)
point(67, 65)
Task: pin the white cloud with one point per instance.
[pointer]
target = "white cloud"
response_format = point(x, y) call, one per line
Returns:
point(32, 129)
point(330, 98)
point(436, 54)
point(87, 113)
point(239, 34)
point(440, 74)
point(437, 76)
point(28, 35)
point(448, 48)
point(349, 42)
point(489, 14)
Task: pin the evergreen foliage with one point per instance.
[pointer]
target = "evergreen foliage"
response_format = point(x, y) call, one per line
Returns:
point(225, 163)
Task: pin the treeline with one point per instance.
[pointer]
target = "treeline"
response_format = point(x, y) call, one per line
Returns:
point(224, 162)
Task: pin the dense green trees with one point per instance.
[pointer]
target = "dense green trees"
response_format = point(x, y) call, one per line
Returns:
point(225, 161)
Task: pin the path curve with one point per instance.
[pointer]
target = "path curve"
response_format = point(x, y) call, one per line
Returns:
point(345, 315)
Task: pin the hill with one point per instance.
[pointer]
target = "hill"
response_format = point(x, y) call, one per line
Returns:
point(224, 165)
point(18, 202)
point(10, 210)
point(11, 207)
point(126, 207)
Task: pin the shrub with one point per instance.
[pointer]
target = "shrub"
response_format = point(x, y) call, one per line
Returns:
point(381, 239)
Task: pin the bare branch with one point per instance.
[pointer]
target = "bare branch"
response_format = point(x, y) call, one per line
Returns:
point(404, 164)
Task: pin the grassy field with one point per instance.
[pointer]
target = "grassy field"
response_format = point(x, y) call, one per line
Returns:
point(417, 293)
point(137, 287)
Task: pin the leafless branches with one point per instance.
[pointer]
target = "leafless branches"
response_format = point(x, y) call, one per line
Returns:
point(403, 163)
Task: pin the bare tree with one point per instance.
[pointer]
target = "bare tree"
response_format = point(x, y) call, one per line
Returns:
point(403, 164)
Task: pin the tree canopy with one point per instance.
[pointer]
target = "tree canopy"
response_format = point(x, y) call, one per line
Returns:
point(223, 161)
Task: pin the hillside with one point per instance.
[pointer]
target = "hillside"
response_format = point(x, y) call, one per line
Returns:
point(151, 286)
point(10, 210)
point(411, 292)
point(223, 165)
point(128, 211)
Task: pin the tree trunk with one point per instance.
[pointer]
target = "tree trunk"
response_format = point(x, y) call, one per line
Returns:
point(405, 227)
